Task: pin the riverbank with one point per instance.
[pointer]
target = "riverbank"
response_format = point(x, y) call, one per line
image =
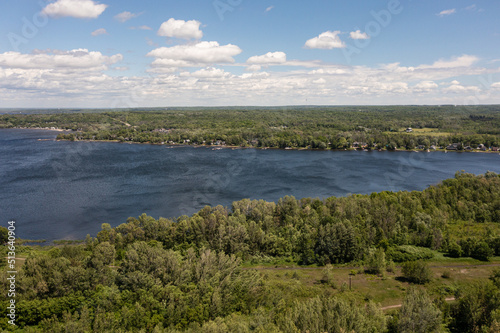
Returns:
point(218, 147)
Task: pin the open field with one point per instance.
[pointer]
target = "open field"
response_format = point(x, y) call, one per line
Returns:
point(388, 290)
point(422, 131)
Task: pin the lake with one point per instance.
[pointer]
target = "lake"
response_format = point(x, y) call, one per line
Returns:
point(66, 190)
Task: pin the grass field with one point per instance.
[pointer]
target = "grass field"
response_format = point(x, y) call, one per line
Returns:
point(293, 282)
point(422, 131)
point(303, 282)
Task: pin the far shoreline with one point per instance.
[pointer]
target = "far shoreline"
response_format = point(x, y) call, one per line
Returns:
point(218, 147)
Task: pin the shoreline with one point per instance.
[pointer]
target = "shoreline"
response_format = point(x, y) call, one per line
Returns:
point(42, 128)
point(218, 147)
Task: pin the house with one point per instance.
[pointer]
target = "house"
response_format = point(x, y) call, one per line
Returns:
point(453, 146)
point(433, 147)
point(420, 147)
point(494, 149)
point(359, 144)
point(409, 130)
point(481, 147)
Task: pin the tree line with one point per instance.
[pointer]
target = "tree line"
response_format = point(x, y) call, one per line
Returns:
point(187, 274)
point(381, 127)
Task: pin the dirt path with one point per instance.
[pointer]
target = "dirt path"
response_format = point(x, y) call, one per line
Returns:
point(437, 266)
point(121, 121)
point(449, 299)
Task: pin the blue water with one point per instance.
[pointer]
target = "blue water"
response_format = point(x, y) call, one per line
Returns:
point(66, 190)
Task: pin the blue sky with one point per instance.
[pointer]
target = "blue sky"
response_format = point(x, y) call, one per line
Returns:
point(110, 53)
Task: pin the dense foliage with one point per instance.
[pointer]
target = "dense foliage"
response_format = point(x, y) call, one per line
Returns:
point(381, 127)
point(151, 275)
point(335, 230)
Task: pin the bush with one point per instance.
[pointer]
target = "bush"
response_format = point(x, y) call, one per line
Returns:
point(482, 251)
point(416, 272)
point(455, 250)
point(328, 276)
point(404, 253)
point(391, 267)
point(418, 313)
point(446, 275)
point(375, 263)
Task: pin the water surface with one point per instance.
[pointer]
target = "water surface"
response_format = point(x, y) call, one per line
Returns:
point(57, 190)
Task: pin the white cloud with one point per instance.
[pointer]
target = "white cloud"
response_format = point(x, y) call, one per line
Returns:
point(425, 86)
point(459, 89)
point(98, 32)
point(358, 35)
point(55, 74)
point(268, 9)
point(471, 7)
point(254, 68)
point(210, 72)
point(201, 53)
point(270, 58)
point(326, 40)
point(86, 9)
point(255, 75)
point(462, 61)
point(56, 59)
point(141, 27)
point(77, 78)
point(329, 71)
point(447, 12)
point(125, 16)
point(181, 29)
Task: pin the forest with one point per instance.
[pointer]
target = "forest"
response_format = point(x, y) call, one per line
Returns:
point(283, 266)
point(329, 127)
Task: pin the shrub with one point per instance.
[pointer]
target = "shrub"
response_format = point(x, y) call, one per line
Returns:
point(375, 263)
point(418, 313)
point(391, 267)
point(327, 277)
point(404, 253)
point(482, 251)
point(455, 250)
point(446, 275)
point(416, 272)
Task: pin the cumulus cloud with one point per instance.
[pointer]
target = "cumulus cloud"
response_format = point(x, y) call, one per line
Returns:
point(56, 59)
point(201, 53)
point(210, 73)
point(70, 77)
point(125, 16)
point(358, 35)
point(254, 68)
point(55, 74)
point(268, 9)
point(98, 32)
point(425, 86)
point(85, 9)
point(447, 12)
point(270, 58)
point(326, 40)
point(462, 61)
point(458, 89)
point(181, 29)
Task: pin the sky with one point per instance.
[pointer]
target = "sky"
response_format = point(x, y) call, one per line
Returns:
point(129, 53)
